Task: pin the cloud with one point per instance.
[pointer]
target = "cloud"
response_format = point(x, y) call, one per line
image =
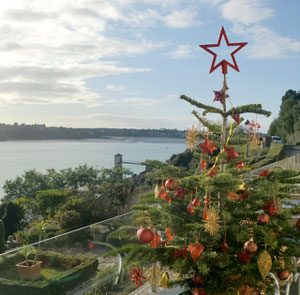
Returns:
point(246, 11)
point(115, 87)
point(49, 49)
point(182, 51)
point(181, 19)
point(33, 84)
point(265, 43)
point(141, 101)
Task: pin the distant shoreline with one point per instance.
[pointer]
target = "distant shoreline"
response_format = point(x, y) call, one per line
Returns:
point(25, 132)
point(113, 138)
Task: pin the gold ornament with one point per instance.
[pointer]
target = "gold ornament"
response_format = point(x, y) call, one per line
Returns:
point(154, 275)
point(212, 225)
point(165, 279)
point(264, 262)
point(192, 137)
point(280, 258)
point(242, 188)
point(156, 191)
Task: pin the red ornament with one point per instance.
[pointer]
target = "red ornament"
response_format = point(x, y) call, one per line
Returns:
point(264, 173)
point(244, 257)
point(231, 153)
point(196, 202)
point(298, 224)
point(224, 245)
point(145, 235)
point(137, 276)
point(219, 96)
point(213, 172)
point(171, 183)
point(196, 250)
point(155, 241)
point(180, 192)
point(168, 234)
point(203, 165)
point(235, 117)
point(250, 247)
point(198, 280)
point(263, 218)
point(283, 275)
point(207, 147)
point(224, 63)
point(180, 252)
point(240, 165)
point(244, 195)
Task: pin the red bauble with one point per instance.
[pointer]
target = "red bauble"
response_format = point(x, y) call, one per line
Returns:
point(298, 224)
point(171, 183)
point(270, 207)
point(145, 235)
point(263, 218)
point(199, 292)
point(250, 247)
point(283, 275)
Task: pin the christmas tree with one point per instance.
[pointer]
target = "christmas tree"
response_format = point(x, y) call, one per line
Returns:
point(217, 229)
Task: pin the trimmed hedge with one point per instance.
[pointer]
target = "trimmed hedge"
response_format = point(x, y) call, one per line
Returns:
point(77, 270)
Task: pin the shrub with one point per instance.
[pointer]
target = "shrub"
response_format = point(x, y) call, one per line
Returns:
point(68, 219)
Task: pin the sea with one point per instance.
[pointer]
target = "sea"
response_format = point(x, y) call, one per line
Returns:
point(16, 157)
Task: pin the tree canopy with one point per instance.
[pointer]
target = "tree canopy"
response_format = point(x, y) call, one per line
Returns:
point(287, 124)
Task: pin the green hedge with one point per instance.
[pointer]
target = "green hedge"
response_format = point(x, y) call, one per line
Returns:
point(72, 276)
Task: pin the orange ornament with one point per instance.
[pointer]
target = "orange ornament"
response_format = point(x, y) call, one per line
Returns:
point(162, 194)
point(168, 234)
point(205, 210)
point(168, 198)
point(203, 165)
point(233, 196)
point(196, 250)
point(155, 241)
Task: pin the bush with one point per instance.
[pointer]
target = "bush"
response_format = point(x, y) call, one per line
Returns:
point(69, 219)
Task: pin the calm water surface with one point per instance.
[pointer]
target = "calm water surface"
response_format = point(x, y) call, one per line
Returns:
point(16, 157)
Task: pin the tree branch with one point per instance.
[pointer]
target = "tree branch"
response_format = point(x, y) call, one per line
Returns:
point(207, 108)
point(249, 108)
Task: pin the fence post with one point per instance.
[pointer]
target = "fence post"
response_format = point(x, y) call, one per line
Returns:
point(118, 161)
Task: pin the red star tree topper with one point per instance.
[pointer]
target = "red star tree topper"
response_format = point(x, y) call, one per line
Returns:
point(224, 63)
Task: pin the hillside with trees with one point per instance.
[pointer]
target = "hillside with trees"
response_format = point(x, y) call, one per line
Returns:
point(42, 132)
point(287, 124)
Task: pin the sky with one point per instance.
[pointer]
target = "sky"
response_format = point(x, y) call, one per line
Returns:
point(124, 63)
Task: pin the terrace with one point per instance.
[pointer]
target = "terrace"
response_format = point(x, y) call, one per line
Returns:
point(73, 263)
